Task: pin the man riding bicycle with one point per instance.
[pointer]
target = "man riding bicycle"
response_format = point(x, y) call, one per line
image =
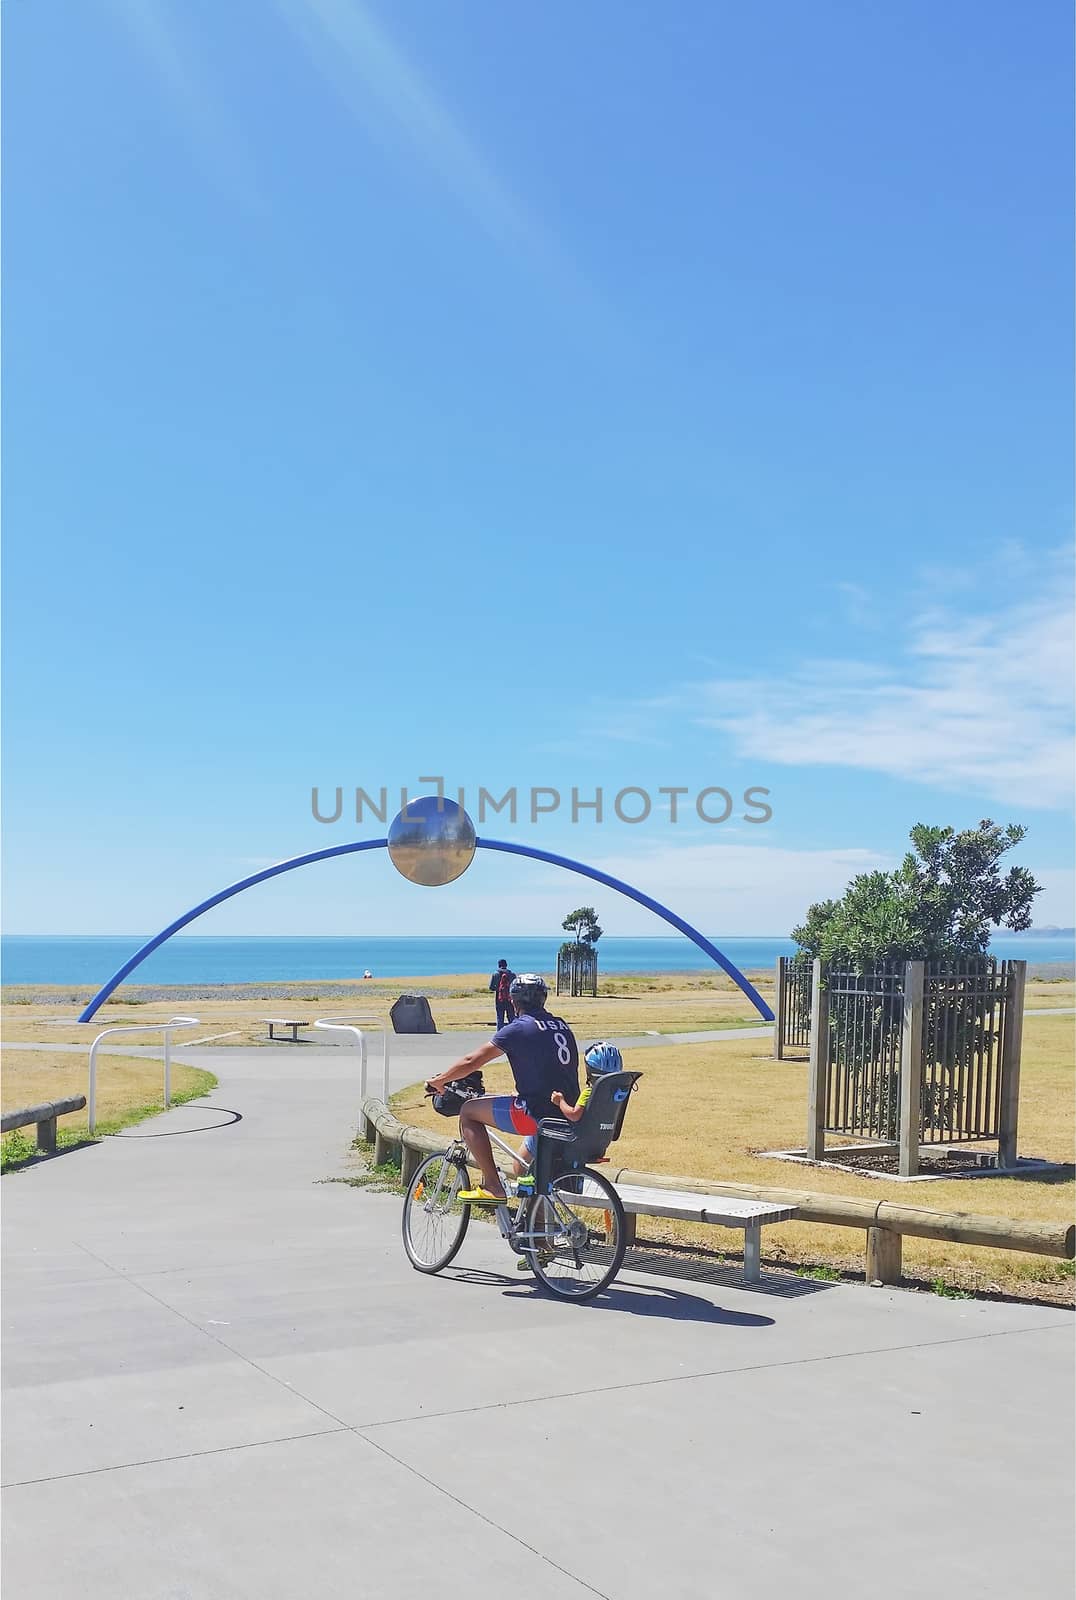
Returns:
point(544, 1058)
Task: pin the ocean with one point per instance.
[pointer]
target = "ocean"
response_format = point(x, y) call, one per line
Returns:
point(90, 959)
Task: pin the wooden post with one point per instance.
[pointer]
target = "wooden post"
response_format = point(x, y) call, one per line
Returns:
point(1011, 1045)
point(818, 1070)
point(46, 1135)
point(883, 1255)
point(631, 1223)
point(385, 1148)
point(780, 1001)
point(911, 1069)
point(409, 1161)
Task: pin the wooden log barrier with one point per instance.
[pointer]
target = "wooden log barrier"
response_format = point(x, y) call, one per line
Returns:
point(387, 1130)
point(404, 1143)
point(415, 1145)
point(884, 1221)
point(45, 1117)
point(846, 1211)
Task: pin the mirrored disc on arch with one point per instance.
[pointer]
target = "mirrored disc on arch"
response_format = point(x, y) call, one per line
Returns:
point(432, 841)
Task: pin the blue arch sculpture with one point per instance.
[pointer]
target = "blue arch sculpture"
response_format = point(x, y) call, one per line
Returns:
point(380, 844)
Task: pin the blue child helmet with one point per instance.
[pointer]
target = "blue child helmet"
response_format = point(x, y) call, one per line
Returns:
point(601, 1058)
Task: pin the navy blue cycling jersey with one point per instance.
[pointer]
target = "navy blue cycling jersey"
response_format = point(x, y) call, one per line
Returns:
point(544, 1056)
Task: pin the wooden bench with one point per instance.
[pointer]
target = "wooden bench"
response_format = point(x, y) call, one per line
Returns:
point(294, 1023)
point(686, 1207)
point(45, 1117)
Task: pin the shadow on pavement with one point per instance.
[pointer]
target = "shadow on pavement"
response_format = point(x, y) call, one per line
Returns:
point(227, 1118)
point(640, 1300)
point(93, 1141)
point(654, 1300)
point(785, 1285)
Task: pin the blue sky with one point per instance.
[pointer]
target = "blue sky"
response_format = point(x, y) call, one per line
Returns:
point(593, 395)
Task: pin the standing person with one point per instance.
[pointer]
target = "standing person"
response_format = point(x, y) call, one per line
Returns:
point(501, 983)
point(544, 1058)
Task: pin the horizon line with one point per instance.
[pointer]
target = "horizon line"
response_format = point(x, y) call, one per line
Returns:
point(1051, 929)
point(358, 936)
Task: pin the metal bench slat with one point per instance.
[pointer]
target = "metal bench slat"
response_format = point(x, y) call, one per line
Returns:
point(684, 1205)
point(701, 1207)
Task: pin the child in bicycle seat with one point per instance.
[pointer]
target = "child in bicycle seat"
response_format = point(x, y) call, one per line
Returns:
point(600, 1058)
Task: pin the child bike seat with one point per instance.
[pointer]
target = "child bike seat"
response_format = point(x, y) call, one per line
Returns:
point(566, 1146)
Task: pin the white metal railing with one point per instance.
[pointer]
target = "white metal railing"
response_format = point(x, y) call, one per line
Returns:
point(347, 1025)
point(167, 1028)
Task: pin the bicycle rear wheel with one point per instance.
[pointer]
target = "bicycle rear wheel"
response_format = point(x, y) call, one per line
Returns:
point(578, 1235)
point(434, 1218)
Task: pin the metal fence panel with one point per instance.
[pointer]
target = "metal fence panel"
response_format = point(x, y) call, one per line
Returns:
point(795, 977)
point(863, 1081)
point(963, 1029)
point(577, 970)
point(964, 1011)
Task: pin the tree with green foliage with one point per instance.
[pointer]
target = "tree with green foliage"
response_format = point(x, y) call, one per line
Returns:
point(577, 959)
point(583, 925)
point(940, 904)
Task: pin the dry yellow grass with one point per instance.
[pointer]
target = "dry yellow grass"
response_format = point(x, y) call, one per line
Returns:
point(629, 1003)
point(124, 1083)
point(459, 1001)
point(706, 1110)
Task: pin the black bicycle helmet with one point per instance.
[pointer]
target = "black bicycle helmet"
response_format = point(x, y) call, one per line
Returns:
point(529, 990)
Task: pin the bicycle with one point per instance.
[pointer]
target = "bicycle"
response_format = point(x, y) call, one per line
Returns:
point(570, 1228)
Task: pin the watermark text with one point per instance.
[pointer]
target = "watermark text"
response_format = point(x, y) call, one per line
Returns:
point(631, 805)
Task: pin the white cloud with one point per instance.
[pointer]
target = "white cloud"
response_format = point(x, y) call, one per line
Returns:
point(980, 704)
point(736, 889)
point(745, 889)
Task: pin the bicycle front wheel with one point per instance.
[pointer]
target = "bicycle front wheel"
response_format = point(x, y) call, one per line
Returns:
point(434, 1218)
point(577, 1235)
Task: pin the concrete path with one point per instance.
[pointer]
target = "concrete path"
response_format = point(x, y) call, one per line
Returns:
point(455, 1042)
point(224, 1381)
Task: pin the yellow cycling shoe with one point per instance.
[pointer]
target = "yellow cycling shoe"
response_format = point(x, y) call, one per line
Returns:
point(544, 1258)
point(481, 1197)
